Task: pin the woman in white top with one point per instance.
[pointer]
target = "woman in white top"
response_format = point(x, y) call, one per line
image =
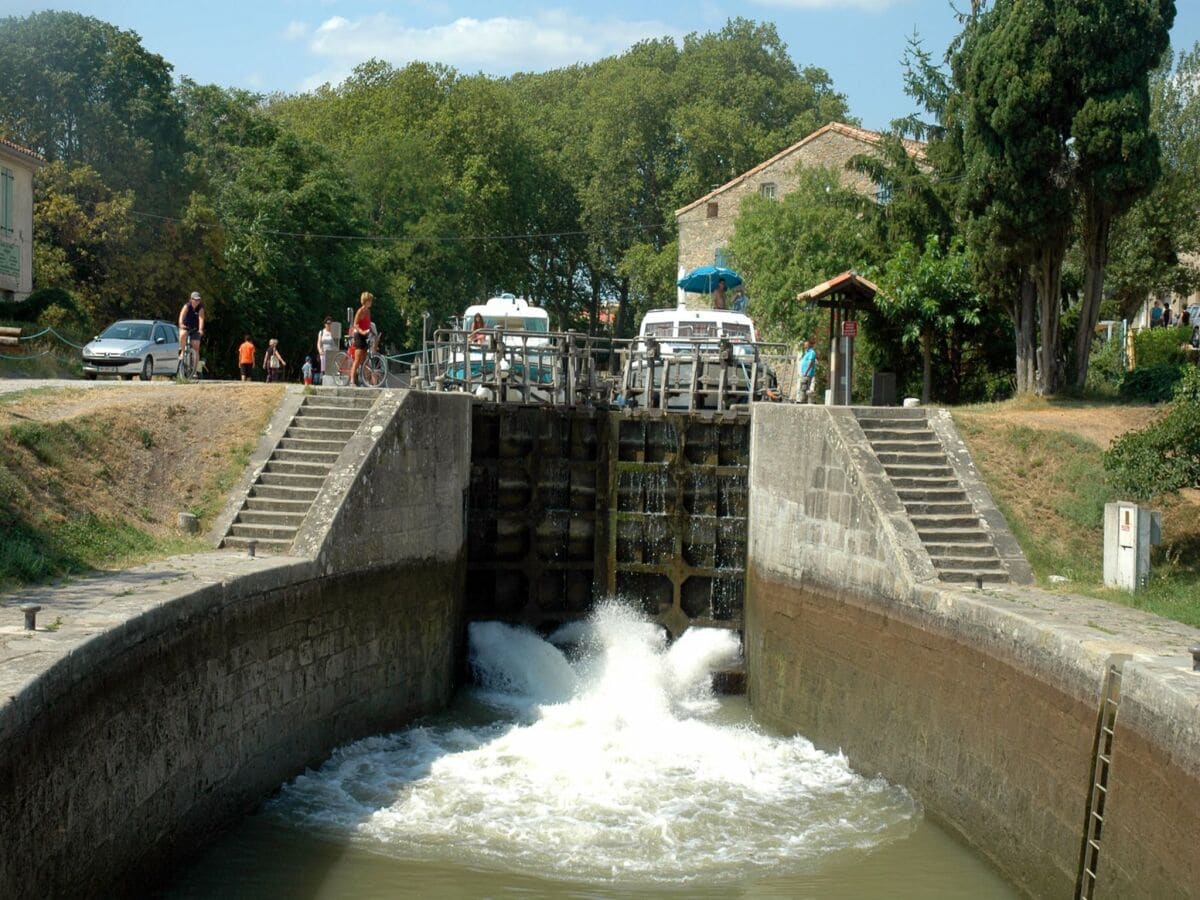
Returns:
point(326, 344)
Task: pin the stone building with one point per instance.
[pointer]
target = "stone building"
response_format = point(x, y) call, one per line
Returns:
point(706, 225)
point(17, 165)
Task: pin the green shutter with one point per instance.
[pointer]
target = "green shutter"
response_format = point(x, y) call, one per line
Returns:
point(6, 199)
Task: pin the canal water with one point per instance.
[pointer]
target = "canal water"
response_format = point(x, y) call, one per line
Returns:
point(596, 763)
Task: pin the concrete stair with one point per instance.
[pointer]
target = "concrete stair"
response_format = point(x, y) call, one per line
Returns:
point(960, 548)
point(279, 500)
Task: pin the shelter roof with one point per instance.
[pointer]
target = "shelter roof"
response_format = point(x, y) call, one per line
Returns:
point(914, 148)
point(8, 148)
point(847, 286)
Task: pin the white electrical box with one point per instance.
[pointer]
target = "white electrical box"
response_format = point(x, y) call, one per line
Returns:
point(1129, 533)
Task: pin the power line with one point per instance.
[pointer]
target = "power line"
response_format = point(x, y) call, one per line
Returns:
point(400, 239)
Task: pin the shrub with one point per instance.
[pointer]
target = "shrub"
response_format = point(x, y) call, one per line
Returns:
point(1164, 456)
point(1106, 368)
point(1151, 384)
point(1160, 346)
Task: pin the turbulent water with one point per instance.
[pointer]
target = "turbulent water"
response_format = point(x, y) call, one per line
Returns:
point(601, 756)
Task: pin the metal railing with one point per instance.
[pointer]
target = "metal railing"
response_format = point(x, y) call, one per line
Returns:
point(575, 369)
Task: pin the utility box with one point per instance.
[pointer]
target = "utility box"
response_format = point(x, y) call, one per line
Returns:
point(883, 389)
point(1129, 533)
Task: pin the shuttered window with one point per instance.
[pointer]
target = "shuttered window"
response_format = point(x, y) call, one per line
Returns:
point(6, 201)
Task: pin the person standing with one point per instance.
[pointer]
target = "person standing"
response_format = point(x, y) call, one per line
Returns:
point(326, 344)
point(191, 327)
point(718, 294)
point(808, 371)
point(360, 334)
point(246, 351)
point(306, 370)
point(1166, 314)
point(273, 361)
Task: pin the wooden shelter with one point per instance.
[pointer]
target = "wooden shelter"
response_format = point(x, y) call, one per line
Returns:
point(843, 295)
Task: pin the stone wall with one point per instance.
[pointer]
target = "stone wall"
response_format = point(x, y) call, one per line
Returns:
point(167, 701)
point(18, 244)
point(983, 703)
point(701, 235)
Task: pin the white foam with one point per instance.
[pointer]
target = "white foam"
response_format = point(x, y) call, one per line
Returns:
point(614, 771)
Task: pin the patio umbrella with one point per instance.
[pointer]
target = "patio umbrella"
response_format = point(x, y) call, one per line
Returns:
point(703, 280)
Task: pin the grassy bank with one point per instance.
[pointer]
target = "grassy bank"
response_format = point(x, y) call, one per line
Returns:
point(1050, 484)
point(95, 479)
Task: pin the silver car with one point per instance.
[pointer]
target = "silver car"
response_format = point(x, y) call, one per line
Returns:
point(145, 347)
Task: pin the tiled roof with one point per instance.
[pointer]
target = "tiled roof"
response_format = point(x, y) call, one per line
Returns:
point(915, 148)
point(23, 152)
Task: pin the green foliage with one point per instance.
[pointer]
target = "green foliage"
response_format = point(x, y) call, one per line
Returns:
point(1161, 346)
point(1164, 456)
point(1150, 384)
point(819, 230)
point(1107, 368)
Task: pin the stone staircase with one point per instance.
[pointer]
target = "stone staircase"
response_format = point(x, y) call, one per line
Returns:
point(280, 497)
point(960, 548)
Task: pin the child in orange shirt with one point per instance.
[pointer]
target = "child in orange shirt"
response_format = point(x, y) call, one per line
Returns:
point(246, 357)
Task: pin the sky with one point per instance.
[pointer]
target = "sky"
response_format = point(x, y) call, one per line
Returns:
point(296, 45)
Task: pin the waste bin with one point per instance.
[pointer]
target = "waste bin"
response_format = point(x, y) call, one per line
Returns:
point(883, 388)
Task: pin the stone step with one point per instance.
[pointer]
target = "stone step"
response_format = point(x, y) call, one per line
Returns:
point(324, 457)
point(909, 458)
point(875, 423)
point(328, 418)
point(952, 535)
point(938, 507)
point(292, 479)
point(270, 532)
point(900, 446)
point(925, 521)
point(258, 503)
point(293, 519)
point(262, 545)
point(980, 550)
point(965, 563)
point(953, 494)
point(875, 435)
point(890, 412)
point(328, 445)
point(297, 467)
point(970, 576)
point(334, 410)
point(301, 430)
point(904, 470)
point(346, 398)
point(283, 492)
point(925, 482)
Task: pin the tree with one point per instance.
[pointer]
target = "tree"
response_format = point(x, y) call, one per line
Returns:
point(930, 294)
point(1113, 46)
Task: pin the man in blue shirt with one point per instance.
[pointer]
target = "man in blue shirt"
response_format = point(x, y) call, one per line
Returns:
point(808, 372)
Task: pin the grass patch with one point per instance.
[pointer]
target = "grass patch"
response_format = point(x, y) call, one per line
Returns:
point(213, 499)
point(1051, 487)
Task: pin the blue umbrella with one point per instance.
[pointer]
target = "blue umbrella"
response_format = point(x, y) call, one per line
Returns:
point(703, 280)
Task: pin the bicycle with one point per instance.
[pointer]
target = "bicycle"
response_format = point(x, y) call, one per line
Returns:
point(189, 366)
point(374, 370)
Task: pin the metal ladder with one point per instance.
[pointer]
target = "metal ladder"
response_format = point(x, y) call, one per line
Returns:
point(1089, 859)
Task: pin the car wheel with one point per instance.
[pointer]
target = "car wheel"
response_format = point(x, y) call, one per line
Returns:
point(148, 369)
point(124, 377)
point(90, 376)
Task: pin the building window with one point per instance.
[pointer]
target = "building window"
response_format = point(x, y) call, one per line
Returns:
point(712, 209)
point(883, 193)
point(721, 257)
point(767, 189)
point(6, 200)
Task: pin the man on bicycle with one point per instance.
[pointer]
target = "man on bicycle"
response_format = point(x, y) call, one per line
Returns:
point(191, 327)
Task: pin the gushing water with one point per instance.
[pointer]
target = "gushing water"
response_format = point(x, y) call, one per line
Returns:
point(608, 763)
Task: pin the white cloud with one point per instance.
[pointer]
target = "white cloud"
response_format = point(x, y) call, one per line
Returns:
point(295, 31)
point(499, 45)
point(864, 5)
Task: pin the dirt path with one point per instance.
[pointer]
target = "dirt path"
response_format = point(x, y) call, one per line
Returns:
point(1099, 424)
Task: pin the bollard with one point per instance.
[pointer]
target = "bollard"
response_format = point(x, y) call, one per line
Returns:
point(1195, 651)
point(251, 547)
point(31, 610)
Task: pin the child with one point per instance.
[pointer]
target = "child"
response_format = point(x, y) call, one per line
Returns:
point(307, 370)
point(246, 357)
point(273, 361)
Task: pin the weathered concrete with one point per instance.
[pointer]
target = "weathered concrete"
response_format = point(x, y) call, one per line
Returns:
point(155, 706)
point(983, 703)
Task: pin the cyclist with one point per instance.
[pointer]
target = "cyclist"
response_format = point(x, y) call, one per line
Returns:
point(360, 335)
point(191, 327)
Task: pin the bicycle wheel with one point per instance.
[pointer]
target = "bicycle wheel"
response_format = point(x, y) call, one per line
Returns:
point(375, 370)
point(339, 369)
point(186, 370)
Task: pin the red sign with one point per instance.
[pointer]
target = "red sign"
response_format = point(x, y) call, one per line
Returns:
point(849, 329)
